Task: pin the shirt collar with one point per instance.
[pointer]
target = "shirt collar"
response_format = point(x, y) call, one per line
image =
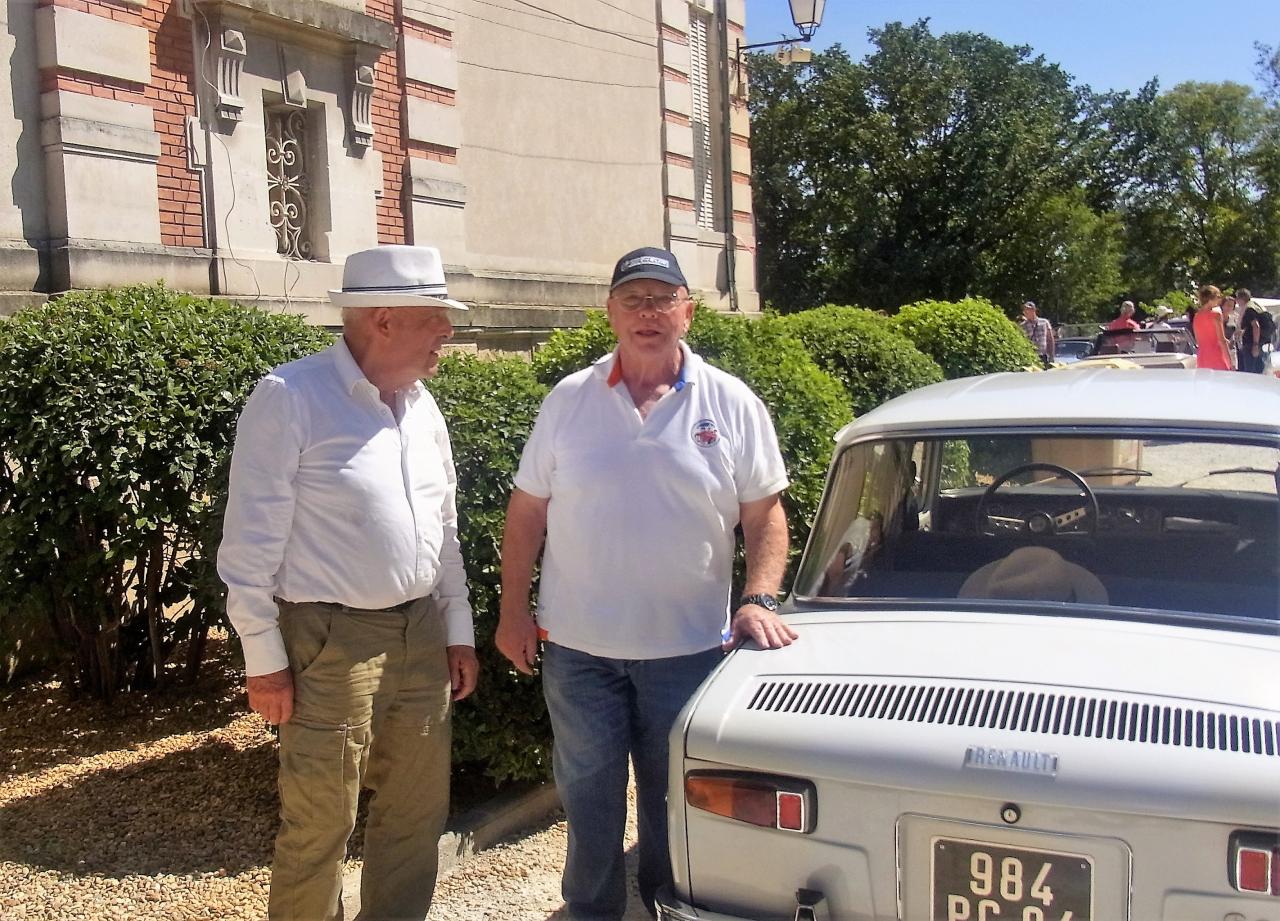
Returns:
point(353, 378)
point(689, 364)
point(345, 364)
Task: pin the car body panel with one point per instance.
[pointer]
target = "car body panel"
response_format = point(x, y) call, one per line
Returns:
point(1167, 347)
point(1121, 744)
point(1072, 349)
point(1203, 400)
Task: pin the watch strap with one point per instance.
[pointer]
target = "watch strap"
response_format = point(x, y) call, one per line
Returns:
point(768, 602)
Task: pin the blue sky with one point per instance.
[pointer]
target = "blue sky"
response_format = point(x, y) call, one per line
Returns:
point(1108, 44)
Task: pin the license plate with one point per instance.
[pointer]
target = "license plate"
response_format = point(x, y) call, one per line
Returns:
point(974, 881)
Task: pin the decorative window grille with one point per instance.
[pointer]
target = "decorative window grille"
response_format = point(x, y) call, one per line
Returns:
point(700, 76)
point(288, 187)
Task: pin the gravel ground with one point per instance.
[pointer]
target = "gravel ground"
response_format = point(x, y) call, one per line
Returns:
point(164, 809)
point(519, 880)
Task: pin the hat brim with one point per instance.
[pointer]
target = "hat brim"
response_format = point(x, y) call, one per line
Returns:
point(380, 299)
point(652, 276)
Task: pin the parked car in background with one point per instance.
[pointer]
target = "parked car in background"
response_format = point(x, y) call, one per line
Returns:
point(1035, 675)
point(1070, 350)
point(1148, 348)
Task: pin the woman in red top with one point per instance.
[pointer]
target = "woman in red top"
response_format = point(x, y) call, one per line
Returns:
point(1211, 337)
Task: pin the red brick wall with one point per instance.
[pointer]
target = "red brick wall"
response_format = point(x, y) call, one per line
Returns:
point(170, 96)
point(388, 134)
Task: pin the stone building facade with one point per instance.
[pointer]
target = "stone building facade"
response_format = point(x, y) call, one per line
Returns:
point(244, 147)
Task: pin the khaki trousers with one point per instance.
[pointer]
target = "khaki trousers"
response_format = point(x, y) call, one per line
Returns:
point(371, 707)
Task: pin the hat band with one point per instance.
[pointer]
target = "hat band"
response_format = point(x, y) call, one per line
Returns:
point(397, 289)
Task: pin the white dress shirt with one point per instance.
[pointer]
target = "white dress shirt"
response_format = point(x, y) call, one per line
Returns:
point(335, 498)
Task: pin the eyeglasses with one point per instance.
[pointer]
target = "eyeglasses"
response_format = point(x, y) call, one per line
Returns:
point(660, 303)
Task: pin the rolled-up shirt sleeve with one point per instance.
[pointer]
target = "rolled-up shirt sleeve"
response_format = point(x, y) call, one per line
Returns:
point(451, 587)
point(260, 507)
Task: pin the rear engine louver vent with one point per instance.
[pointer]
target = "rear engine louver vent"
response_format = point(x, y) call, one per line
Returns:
point(1022, 711)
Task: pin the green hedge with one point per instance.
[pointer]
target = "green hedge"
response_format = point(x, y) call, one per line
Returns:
point(966, 337)
point(864, 351)
point(807, 404)
point(117, 415)
point(502, 730)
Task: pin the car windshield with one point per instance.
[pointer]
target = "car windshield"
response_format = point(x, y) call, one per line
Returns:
point(1133, 521)
point(1142, 342)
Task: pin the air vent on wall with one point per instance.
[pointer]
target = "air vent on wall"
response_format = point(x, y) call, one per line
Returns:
point(1022, 710)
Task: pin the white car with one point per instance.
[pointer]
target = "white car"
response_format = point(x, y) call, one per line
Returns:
point(1037, 674)
point(1166, 347)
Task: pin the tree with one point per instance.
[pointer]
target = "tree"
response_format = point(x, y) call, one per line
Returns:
point(1269, 70)
point(1206, 212)
point(916, 172)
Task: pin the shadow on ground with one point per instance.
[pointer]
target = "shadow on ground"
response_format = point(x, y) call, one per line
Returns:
point(206, 809)
point(42, 724)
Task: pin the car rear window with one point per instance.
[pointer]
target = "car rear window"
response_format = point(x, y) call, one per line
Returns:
point(1171, 524)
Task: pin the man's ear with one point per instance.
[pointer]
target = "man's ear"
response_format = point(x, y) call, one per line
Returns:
point(381, 321)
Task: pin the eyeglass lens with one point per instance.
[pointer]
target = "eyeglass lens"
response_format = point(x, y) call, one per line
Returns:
point(659, 302)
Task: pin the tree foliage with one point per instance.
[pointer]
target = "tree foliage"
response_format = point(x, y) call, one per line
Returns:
point(1203, 215)
point(966, 337)
point(117, 419)
point(864, 351)
point(503, 730)
point(902, 177)
point(947, 166)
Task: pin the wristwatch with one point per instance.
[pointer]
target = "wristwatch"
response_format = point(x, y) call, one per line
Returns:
point(768, 602)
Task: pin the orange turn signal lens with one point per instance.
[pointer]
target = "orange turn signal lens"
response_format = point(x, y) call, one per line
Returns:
point(770, 802)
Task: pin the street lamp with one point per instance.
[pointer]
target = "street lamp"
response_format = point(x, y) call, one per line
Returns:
point(806, 15)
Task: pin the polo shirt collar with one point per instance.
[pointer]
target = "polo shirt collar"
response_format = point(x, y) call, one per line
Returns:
point(690, 364)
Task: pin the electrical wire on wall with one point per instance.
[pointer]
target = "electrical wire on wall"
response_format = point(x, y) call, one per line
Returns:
point(209, 132)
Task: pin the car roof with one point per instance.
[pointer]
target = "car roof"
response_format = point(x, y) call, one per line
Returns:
point(1146, 398)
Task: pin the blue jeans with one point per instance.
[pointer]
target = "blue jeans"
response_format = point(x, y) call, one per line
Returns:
point(603, 710)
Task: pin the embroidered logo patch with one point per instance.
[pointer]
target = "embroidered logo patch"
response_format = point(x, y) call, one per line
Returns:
point(705, 434)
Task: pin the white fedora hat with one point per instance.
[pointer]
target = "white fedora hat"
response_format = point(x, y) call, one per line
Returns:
point(394, 276)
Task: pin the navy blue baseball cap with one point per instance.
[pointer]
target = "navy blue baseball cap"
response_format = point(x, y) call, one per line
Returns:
point(648, 262)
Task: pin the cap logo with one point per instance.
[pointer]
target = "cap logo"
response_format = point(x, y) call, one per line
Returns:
point(646, 260)
point(705, 434)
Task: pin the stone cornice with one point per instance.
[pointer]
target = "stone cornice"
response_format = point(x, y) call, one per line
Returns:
point(322, 22)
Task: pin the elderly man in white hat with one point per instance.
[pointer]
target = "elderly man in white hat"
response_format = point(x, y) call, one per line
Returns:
point(1160, 317)
point(345, 582)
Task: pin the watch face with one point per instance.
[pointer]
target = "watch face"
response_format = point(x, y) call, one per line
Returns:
point(768, 602)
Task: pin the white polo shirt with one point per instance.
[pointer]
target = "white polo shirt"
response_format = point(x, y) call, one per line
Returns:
point(641, 517)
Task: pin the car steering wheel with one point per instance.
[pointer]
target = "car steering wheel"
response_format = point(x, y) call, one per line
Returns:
point(1040, 523)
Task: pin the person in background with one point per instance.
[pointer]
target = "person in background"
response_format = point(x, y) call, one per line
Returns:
point(1211, 337)
point(1253, 341)
point(1039, 332)
point(1231, 328)
point(1160, 317)
point(637, 472)
point(1125, 320)
point(345, 582)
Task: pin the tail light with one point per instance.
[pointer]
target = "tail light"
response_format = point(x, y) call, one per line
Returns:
point(1254, 862)
point(784, 803)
